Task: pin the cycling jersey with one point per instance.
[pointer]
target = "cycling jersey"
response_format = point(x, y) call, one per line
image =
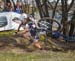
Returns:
point(32, 29)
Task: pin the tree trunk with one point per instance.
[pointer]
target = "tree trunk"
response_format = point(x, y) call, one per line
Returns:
point(38, 3)
point(72, 25)
point(54, 9)
point(70, 6)
point(64, 17)
point(46, 9)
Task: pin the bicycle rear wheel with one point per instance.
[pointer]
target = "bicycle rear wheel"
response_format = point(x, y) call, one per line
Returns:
point(46, 23)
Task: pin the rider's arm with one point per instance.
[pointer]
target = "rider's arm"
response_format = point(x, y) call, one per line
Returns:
point(34, 21)
point(26, 29)
point(19, 27)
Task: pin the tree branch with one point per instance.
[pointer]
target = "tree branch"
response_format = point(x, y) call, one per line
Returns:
point(70, 6)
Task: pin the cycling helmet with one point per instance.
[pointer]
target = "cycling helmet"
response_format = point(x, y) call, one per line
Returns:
point(23, 16)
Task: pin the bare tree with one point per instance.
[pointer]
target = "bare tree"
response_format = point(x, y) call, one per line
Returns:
point(38, 3)
point(65, 9)
point(72, 25)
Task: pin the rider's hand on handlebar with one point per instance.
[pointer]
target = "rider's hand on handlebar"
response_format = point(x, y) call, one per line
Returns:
point(16, 32)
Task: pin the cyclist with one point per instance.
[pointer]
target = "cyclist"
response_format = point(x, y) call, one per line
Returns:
point(29, 29)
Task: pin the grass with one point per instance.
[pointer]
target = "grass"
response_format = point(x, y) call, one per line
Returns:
point(7, 33)
point(16, 54)
point(38, 56)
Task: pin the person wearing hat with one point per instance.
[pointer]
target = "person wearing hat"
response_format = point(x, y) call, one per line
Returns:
point(29, 29)
point(1, 5)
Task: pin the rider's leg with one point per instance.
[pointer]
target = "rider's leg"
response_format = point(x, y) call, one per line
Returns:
point(27, 35)
point(36, 42)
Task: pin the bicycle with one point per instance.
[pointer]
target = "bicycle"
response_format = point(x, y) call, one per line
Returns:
point(56, 34)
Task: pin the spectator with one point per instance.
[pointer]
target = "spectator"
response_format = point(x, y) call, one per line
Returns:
point(1, 5)
point(18, 7)
point(9, 7)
